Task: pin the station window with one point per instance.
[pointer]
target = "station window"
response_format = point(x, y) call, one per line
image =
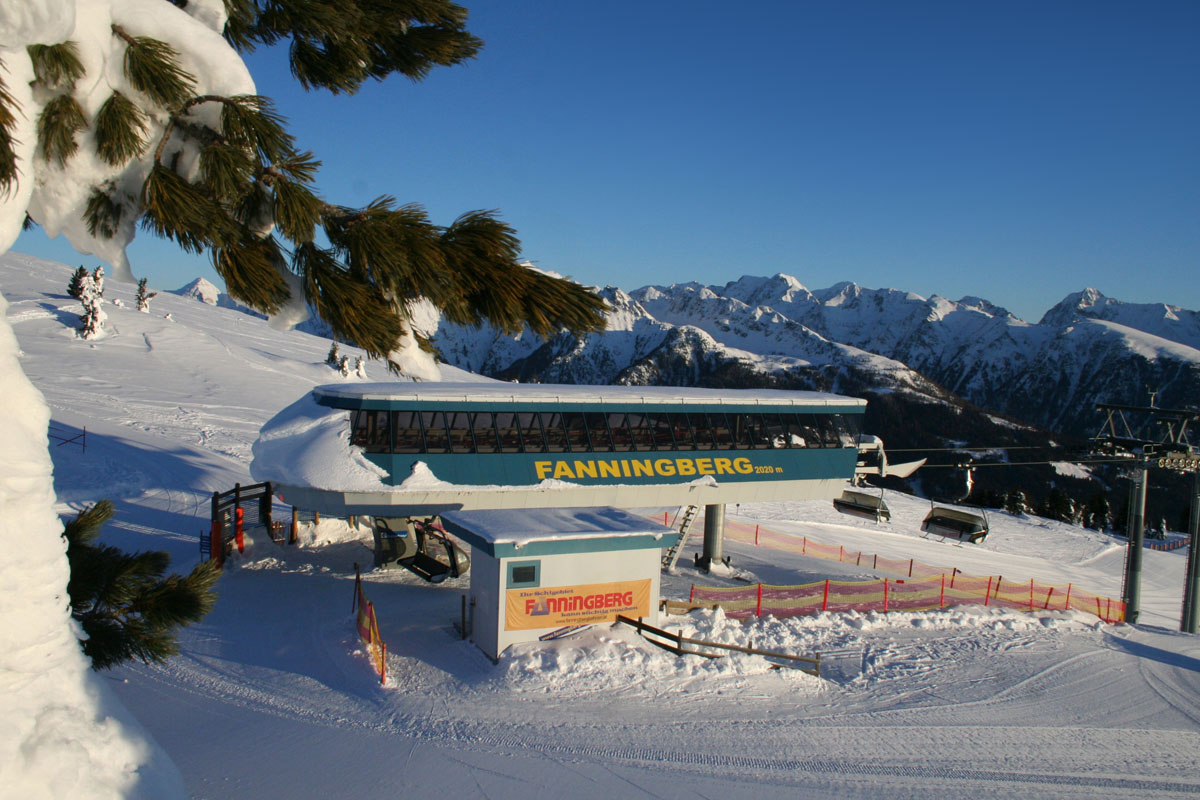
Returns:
point(556, 434)
point(702, 430)
point(524, 573)
point(598, 433)
point(369, 430)
point(406, 432)
point(484, 432)
point(531, 431)
point(577, 433)
point(622, 435)
point(661, 430)
point(509, 429)
point(681, 431)
point(434, 425)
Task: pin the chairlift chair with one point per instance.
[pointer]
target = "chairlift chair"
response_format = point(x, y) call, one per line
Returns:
point(861, 504)
point(955, 524)
point(419, 546)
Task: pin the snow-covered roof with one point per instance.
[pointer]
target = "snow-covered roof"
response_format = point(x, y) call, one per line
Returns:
point(330, 394)
point(564, 529)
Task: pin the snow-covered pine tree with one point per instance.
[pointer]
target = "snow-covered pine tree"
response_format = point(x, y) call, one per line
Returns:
point(121, 600)
point(75, 287)
point(332, 358)
point(195, 157)
point(144, 297)
point(93, 317)
point(98, 279)
point(1016, 502)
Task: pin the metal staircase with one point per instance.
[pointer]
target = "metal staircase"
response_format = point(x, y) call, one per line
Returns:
point(685, 517)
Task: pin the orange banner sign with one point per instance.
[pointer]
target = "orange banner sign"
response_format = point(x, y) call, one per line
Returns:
point(554, 606)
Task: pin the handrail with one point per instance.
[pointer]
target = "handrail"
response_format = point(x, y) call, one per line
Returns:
point(680, 640)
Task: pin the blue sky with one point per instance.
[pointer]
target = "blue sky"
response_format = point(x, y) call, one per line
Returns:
point(1016, 151)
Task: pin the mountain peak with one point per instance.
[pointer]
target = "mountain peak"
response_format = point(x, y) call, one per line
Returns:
point(201, 289)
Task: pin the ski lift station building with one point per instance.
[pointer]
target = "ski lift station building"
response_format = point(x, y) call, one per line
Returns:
point(550, 456)
point(398, 449)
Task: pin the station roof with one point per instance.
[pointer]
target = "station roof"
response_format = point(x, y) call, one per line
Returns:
point(504, 533)
point(353, 395)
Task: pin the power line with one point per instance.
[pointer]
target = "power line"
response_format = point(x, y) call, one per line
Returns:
point(969, 449)
point(977, 464)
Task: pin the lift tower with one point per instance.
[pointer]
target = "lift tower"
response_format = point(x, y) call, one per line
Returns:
point(1169, 449)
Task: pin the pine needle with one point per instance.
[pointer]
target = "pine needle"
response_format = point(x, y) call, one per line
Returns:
point(120, 130)
point(60, 120)
point(56, 65)
point(151, 66)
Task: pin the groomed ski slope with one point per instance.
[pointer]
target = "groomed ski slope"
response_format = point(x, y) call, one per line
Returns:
point(273, 696)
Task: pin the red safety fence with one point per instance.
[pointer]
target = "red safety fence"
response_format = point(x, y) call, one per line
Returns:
point(1175, 545)
point(922, 587)
point(923, 594)
point(368, 627)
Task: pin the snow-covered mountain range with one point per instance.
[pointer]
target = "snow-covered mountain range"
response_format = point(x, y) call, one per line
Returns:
point(1087, 349)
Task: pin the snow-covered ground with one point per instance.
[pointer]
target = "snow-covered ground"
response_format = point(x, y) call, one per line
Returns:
point(274, 697)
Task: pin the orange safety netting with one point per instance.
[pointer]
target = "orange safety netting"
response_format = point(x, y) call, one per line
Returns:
point(368, 628)
point(923, 587)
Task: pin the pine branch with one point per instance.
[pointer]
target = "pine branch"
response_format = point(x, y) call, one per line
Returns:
point(8, 121)
point(56, 65)
point(184, 213)
point(251, 121)
point(120, 129)
point(152, 68)
point(102, 215)
point(226, 171)
point(297, 210)
point(338, 44)
point(251, 268)
point(87, 523)
point(60, 120)
point(355, 311)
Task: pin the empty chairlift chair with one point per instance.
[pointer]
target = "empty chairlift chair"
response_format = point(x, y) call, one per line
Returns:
point(861, 504)
point(955, 524)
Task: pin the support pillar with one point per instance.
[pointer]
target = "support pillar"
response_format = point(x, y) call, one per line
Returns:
point(714, 537)
point(1131, 593)
point(1191, 584)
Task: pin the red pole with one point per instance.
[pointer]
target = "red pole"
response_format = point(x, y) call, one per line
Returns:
point(987, 596)
point(692, 595)
point(952, 574)
point(756, 535)
point(238, 533)
point(942, 596)
point(841, 552)
point(216, 548)
point(910, 565)
point(885, 595)
point(382, 663)
point(1049, 594)
point(758, 611)
point(875, 563)
point(1068, 606)
point(804, 547)
point(294, 533)
point(1031, 594)
point(825, 600)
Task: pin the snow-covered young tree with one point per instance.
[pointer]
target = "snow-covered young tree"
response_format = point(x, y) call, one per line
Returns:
point(116, 114)
point(75, 287)
point(144, 297)
point(93, 317)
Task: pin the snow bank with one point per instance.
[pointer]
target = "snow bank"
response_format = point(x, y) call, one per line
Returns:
point(60, 738)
